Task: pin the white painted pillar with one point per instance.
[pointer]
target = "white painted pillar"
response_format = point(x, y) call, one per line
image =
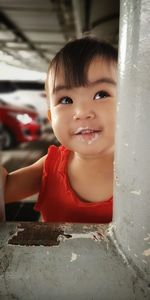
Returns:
point(132, 167)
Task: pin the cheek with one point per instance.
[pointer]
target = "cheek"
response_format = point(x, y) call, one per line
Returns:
point(60, 116)
point(54, 118)
point(113, 121)
point(57, 121)
point(55, 115)
point(110, 119)
point(109, 112)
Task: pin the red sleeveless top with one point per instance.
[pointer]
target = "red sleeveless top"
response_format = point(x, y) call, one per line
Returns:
point(57, 202)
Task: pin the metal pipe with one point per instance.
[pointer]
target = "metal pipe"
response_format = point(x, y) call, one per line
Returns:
point(132, 160)
point(77, 12)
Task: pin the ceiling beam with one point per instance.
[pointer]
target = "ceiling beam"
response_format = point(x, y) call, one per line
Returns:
point(87, 5)
point(18, 33)
point(104, 19)
point(28, 8)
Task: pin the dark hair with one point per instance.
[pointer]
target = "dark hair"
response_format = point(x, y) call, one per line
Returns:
point(75, 57)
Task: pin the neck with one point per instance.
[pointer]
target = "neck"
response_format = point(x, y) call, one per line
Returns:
point(94, 163)
point(98, 157)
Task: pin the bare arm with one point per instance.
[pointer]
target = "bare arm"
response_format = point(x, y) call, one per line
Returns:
point(23, 182)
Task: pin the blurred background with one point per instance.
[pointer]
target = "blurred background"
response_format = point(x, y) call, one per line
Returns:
point(31, 32)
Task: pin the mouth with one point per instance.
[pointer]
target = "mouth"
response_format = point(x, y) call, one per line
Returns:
point(86, 131)
point(87, 134)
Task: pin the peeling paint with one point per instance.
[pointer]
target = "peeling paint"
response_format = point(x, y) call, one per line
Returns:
point(4, 264)
point(37, 234)
point(90, 235)
point(147, 238)
point(45, 234)
point(136, 192)
point(96, 236)
point(144, 261)
point(146, 252)
point(135, 66)
point(73, 257)
point(18, 230)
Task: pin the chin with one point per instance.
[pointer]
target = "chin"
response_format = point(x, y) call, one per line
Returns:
point(87, 150)
point(92, 150)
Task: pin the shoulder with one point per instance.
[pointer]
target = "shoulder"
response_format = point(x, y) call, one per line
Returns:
point(56, 157)
point(55, 152)
point(36, 169)
point(39, 163)
point(52, 150)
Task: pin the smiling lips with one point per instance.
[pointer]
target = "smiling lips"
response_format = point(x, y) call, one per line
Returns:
point(86, 130)
point(87, 134)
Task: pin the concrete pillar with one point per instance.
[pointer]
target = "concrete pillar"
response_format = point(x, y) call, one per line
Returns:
point(132, 162)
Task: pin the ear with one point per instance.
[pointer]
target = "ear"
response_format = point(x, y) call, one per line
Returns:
point(49, 114)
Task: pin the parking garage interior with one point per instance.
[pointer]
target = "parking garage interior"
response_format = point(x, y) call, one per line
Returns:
point(31, 32)
point(82, 261)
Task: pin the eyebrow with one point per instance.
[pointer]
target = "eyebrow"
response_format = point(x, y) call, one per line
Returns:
point(97, 81)
point(103, 80)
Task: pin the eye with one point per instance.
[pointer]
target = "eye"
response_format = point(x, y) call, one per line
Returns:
point(66, 100)
point(101, 95)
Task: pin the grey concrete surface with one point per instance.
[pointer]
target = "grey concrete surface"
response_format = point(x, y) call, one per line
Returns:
point(64, 261)
point(132, 167)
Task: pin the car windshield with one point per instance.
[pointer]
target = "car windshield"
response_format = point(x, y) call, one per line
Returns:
point(11, 86)
point(2, 102)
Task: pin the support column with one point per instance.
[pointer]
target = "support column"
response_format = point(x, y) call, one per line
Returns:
point(132, 161)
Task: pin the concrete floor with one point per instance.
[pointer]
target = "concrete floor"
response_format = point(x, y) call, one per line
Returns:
point(65, 261)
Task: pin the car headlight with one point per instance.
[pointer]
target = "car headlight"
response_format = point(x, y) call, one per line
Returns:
point(23, 118)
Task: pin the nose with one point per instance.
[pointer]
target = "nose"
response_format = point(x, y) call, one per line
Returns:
point(83, 114)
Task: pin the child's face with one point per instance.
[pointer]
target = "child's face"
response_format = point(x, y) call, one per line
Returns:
point(83, 118)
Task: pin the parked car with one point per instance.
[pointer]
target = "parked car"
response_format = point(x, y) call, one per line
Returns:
point(25, 93)
point(19, 125)
point(1, 135)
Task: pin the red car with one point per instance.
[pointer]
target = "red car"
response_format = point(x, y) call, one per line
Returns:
point(19, 125)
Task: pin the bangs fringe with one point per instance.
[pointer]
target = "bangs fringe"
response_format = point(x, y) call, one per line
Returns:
point(76, 56)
